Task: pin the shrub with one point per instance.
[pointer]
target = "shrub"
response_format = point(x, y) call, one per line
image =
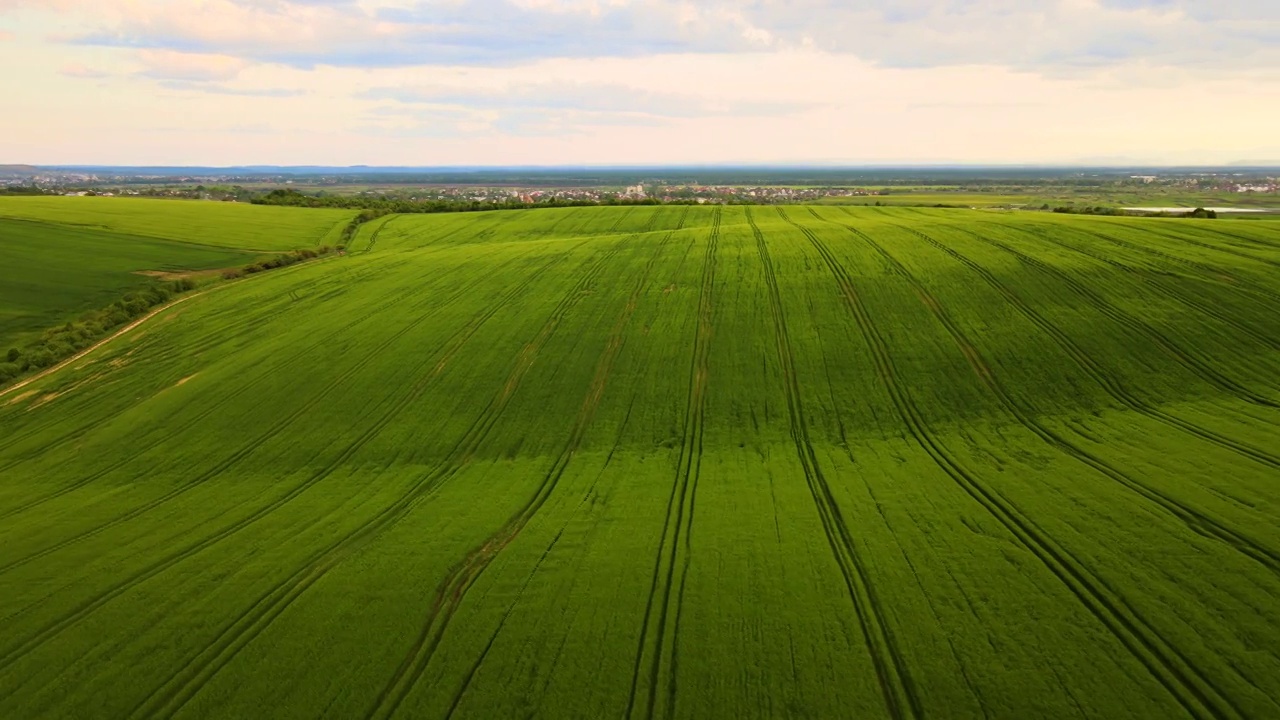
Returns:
point(39, 358)
point(14, 354)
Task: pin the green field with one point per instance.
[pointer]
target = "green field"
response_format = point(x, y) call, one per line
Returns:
point(62, 256)
point(660, 462)
point(256, 228)
point(52, 273)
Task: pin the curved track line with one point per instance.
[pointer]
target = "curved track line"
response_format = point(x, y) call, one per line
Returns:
point(1186, 683)
point(1156, 282)
point(1188, 359)
point(604, 368)
point(1094, 369)
point(462, 576)
point(1194, 519)
point(223, 399)
point(254, 444)
point(84, 609)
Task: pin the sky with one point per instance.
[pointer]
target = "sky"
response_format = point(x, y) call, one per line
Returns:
point(636, 82)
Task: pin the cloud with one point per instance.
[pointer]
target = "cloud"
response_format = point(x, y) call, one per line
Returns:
point(5, 36)
point(191, 67)
point(594, 98)
point(77, 70)
point(220, 89)
point(902, 33)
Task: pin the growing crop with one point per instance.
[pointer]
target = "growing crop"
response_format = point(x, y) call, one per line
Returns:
point(660, 462)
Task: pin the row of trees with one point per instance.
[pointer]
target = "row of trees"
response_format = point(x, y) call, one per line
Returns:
point(1200, 213)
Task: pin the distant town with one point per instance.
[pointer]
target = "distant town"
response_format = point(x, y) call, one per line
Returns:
point(1016, 187)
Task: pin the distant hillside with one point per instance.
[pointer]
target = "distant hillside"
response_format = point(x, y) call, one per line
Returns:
point(18, 169)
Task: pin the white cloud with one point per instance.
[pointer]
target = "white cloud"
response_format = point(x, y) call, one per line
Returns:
point(1048, 36)
point(582, 81)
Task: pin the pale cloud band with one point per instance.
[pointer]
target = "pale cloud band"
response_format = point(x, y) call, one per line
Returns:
point(547, 81)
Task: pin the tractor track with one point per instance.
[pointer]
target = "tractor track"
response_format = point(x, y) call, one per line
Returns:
point(604, 368)
point(1191, 361)
point(1209, 246)
point(1212, 271)
point(184, 684)
point(452, 590)
point(1095, 370)
point(1155, 282)
point(1194, 519)
point(653, 629)
point(1186, 683)
point(84, 609)
point(897, 688)
point(251, 446)
point(222, 400)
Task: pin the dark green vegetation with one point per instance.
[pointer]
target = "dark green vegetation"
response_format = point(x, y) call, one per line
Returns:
point(669, 462)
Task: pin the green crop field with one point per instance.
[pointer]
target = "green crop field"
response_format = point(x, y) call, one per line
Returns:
point(61, 256)
point(51, 273)
point(667, 462)
point(247, 227)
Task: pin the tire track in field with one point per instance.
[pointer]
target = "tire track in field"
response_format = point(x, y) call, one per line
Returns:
point(900, 695)
point(452, 590)
point(79, 432)
point(1188, 359)
point(1153, 281)
point(1211, 271)
point(1093, 368)
point(56, 627)
point(373, 239)
point(1194, 519)
point(622, 216)
point(686, 468)
point(500, 218)
point(1216, 231)
point(604, 368)
point(1173, 670)
point(654, 216)
point(223, 399)
point(1209, 246)
point(1219, 276)
point(1266, 243)
point(684, 216)
point(197, 671)
point(251, 446)
point(680, 503)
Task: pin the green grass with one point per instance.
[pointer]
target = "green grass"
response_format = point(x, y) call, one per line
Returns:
point(62, 256)
point(52, 273)
point(669, 462)
point(237, 225)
